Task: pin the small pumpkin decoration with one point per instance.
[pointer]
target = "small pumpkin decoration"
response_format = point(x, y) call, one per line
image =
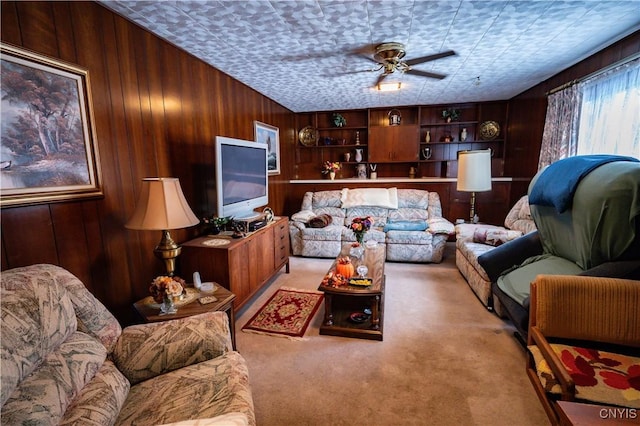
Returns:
point(344, 267)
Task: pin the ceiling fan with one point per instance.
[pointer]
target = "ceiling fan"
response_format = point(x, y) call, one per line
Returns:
point(389, 57)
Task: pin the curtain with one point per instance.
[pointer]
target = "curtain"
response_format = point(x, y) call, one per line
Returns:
point(610, 113)
point(559, 138)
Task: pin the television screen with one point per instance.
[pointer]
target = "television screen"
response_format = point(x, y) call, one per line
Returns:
point(241, 177)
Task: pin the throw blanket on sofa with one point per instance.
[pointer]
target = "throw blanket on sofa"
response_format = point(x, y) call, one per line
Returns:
point(558, 182)
point(371, 197)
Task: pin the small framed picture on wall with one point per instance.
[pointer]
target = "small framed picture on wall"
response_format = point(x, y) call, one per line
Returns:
point(270, 135)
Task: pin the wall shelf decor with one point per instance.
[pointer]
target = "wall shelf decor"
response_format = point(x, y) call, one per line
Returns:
point(395, 148)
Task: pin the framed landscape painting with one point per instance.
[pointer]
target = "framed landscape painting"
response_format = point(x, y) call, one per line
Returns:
point(270, 135)
point(48, 149)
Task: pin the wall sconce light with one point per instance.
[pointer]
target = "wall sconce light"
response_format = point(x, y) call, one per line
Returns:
point(394, 117)
point(389, 87)
point(474, 175)
point(162, 207)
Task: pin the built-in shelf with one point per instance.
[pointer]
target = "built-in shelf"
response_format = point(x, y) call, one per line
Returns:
point(391, 180)
point(395, 148)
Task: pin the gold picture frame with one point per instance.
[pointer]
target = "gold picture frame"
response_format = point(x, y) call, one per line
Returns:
point(48, 149)
point(264, 133)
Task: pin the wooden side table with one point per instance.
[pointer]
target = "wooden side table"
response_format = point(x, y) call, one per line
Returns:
point(149, 312)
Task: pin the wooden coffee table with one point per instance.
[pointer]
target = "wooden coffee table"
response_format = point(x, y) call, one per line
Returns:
point(341, 302)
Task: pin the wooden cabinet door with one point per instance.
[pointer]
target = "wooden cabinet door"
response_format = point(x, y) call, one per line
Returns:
point(281, 239)
point(394, 144)
point(260, 258)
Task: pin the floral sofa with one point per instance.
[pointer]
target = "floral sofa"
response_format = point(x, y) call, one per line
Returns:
point(473, 240)
point(408, 222)
point(66, 360)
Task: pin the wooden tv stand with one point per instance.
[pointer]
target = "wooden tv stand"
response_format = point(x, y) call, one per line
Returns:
point(240, 265)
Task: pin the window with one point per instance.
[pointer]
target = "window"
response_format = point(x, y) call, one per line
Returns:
point(609, 114)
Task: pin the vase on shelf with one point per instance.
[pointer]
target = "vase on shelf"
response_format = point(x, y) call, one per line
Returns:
point(463, 135)
point(332, 175)
point(358, 154)
point(347, 156)
point(168, 307)
point(427, 137)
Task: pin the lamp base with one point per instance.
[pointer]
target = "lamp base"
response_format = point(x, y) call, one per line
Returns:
point(472, 213)
point(167, 250)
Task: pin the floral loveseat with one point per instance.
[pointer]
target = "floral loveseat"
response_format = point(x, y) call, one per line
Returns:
point(408, 222)
point(65, 360)
point(473, 240)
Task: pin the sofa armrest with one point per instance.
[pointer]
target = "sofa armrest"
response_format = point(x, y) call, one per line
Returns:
point(297, 225)
point(538, 340)
point(147, 350)
point(627, 269)
point(440, 225)
point(303, 216)
point(496, 261)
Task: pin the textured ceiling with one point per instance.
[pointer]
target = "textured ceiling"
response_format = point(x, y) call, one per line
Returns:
point(307, 55)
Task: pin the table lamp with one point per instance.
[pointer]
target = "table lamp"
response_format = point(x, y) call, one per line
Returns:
point(162, 207)
point(474, 174)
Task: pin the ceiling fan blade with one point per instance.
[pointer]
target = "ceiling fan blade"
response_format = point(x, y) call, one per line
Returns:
point(380, 79)
point(428, 58)
point(426, 74)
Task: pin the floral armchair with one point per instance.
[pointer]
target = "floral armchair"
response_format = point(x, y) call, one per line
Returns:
point(66, 360)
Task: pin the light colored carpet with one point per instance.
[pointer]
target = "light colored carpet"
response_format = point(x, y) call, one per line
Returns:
point(445, 360)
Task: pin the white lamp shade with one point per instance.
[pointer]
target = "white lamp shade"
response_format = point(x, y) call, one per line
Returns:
point(474, 170)
point(161, 206)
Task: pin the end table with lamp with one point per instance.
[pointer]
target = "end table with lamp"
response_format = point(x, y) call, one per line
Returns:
point(161, 207)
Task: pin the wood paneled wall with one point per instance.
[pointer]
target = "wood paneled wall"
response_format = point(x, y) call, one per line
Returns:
point(157, 111)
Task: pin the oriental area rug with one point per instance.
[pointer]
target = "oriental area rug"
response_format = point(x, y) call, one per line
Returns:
point(286, 314)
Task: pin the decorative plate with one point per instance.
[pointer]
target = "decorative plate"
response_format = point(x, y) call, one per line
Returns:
point(308, 136)
point(489, 130)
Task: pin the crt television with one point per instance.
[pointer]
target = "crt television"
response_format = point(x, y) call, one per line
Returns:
point(241, 177)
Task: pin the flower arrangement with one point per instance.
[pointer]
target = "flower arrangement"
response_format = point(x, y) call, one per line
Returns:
point(450, 114)
point(330, 166)
point(360, 226)
point(164, 286)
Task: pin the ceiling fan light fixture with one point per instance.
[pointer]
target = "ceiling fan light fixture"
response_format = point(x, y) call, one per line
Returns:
point(389, 87)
